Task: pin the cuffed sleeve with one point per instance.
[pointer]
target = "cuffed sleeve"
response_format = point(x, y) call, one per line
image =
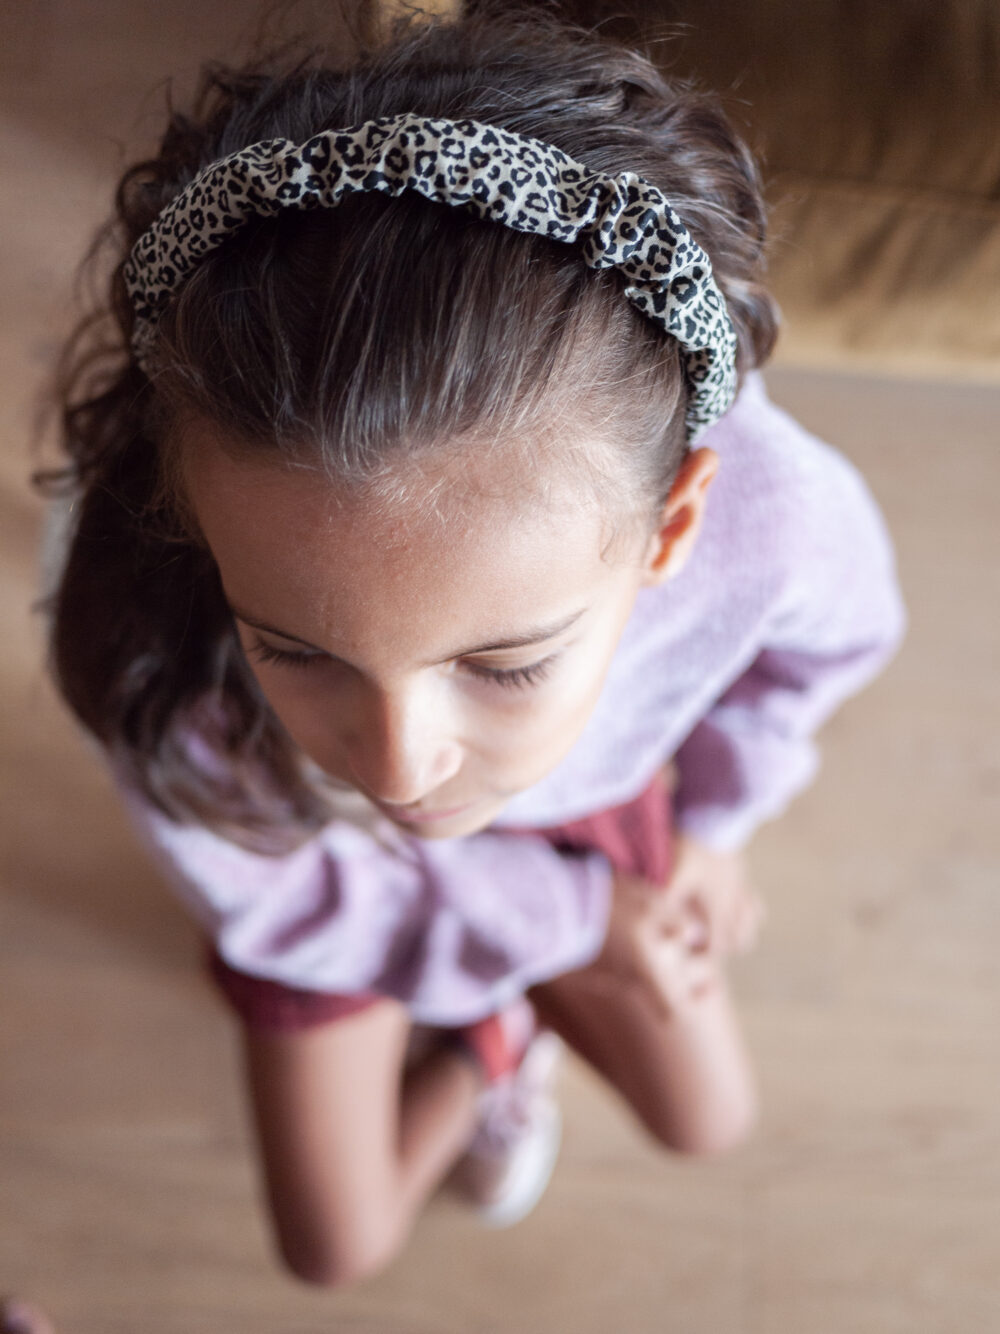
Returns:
point(454, 928)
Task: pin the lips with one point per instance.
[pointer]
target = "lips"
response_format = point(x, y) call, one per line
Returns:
point(403, 816)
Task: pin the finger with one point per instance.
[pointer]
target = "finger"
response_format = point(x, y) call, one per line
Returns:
point(672, 972)
point(702, 973)
point(684, 880)
point(751, 919)
point(677, 908)
point(708, 925)
point(695, 977)
point(697, 929)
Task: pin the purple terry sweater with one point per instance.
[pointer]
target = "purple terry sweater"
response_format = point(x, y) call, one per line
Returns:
point(788, 604)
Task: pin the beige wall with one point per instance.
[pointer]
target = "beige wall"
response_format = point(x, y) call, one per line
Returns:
point(878, 124)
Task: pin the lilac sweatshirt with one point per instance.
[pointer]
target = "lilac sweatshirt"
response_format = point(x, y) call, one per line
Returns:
point(788, 604)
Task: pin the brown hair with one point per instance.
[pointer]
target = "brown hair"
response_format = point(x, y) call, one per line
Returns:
point(466, 327)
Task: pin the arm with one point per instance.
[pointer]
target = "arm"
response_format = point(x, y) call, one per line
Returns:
point(452, 928)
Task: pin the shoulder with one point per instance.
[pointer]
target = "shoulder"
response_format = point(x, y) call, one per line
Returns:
point(787, 499)
point(795, 522)
point(773, 464)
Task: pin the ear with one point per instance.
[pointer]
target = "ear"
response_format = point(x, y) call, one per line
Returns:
point(680, 519)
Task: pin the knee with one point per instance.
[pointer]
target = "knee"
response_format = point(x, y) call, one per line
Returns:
point(333, 1269)
point(715, 1131)
point(340, 1263)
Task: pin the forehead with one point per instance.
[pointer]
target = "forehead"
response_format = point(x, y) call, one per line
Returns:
point(453, 546)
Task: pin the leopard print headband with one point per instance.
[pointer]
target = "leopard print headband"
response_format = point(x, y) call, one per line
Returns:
point(529, 186)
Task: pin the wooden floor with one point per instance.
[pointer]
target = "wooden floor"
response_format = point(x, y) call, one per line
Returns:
point(868, 1203)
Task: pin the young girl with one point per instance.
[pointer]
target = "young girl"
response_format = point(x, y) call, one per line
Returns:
point(430, 524)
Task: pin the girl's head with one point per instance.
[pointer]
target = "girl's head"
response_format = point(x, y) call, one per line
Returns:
point(398, 434)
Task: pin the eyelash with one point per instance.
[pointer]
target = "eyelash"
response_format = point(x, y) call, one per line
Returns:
point(517, 678)
point(268, 653)
point(513, 678)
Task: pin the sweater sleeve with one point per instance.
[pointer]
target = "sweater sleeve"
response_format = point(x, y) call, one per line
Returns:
point(453, 928)
point(835, 618)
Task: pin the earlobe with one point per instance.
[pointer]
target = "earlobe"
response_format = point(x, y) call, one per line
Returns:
point(681, 517)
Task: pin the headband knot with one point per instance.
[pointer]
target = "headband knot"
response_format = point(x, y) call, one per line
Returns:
point(621, 222)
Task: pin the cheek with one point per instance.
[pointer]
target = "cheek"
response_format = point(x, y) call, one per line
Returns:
point(534, 737)
point(568, 704)
point(307, 713)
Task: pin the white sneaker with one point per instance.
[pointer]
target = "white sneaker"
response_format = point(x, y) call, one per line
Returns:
point(513, 1152)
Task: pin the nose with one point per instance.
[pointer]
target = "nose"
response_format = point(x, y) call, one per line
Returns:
point(399, 746)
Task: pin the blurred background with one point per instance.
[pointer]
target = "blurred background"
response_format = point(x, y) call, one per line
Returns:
point(867, 1201)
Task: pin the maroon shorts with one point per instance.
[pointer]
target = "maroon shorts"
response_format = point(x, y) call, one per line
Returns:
point(635, 838)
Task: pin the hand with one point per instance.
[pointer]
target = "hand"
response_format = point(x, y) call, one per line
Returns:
point(714, 890)
point(655, 947)
point(666, 941)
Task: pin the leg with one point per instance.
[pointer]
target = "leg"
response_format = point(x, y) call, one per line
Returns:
point(685, 1073)
point(353, 1144)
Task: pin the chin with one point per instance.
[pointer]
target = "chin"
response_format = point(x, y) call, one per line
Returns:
point(460, 825)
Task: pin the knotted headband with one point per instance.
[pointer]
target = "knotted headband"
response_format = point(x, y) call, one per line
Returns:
point(620, 221)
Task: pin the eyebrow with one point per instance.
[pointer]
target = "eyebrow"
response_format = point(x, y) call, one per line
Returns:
point(538, 635)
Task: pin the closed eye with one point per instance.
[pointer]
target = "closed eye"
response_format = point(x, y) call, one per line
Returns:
point(511, 678)
point(514, 677)
point(268, 653)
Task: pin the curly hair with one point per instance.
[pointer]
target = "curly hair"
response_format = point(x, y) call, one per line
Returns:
point(354, 337)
